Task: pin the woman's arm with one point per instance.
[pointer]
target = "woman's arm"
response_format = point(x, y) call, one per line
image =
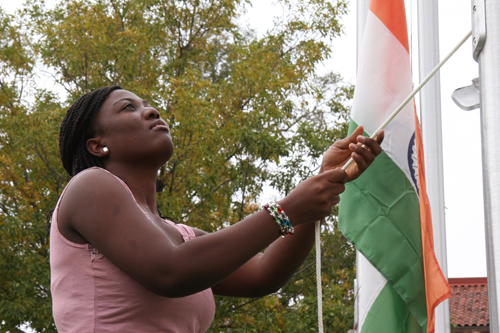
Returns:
point(266, 273)
point(99, 208)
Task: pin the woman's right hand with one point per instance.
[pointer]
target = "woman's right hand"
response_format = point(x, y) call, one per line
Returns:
point(313, 199)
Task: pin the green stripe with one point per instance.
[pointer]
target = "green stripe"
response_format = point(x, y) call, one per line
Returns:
point(379, 213)
point(389, 313)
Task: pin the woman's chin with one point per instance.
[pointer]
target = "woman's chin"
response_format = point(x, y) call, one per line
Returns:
point(170, 150)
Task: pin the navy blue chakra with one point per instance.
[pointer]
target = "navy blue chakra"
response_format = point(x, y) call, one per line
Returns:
point(413, 161)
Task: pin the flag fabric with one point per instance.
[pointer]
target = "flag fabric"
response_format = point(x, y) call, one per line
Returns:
point(385, 213)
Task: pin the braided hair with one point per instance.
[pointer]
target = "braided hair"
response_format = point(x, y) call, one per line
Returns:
point(77, 128)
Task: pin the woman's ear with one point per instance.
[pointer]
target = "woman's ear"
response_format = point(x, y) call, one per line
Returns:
point(95, 147)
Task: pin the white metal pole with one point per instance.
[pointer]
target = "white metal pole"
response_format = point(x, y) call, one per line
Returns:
point(430, 113)
point(489, 70)
point(362, 8)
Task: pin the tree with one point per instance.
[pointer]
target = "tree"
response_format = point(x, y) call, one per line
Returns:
point(244, 112)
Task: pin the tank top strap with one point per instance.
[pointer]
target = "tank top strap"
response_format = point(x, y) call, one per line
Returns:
point(186, 232)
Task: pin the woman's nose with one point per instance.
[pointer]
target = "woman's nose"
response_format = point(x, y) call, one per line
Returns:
point(152, 113)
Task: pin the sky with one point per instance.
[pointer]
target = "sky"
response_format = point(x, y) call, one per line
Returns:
point(461, 130)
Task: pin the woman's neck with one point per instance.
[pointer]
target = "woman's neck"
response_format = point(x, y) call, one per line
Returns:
point(141, 181)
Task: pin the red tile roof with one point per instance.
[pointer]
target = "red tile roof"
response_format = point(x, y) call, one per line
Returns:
point(469, 302)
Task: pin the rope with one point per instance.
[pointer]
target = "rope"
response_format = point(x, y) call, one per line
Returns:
point(318, 276)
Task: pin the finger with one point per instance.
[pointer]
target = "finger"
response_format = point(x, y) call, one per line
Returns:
point(361, 161)
point(335, 176)
point(357, 132)
point(370, 144)
point(328, 212)
point(363, 153)
point(380, 136)
point(344, 143)
point(338, 188)
point(335, 200)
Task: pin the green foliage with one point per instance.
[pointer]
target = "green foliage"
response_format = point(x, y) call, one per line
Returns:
point(244, 112)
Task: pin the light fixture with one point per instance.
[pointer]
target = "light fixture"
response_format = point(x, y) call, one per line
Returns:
point(468, 98)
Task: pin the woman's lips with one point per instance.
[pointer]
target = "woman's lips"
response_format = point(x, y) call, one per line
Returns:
point(161, 127)
point(160, 124)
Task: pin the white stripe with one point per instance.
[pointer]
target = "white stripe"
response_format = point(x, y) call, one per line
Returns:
point(383, 82)
point(370, 284)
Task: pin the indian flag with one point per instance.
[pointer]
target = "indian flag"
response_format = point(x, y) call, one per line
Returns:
point(386, 213)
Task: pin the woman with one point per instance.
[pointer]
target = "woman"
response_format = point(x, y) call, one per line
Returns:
point(118, 267)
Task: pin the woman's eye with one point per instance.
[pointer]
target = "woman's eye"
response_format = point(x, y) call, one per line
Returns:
point(129, 106)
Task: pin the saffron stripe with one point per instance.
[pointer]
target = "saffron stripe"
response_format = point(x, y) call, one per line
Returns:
point(392, 14)
point(437, 288)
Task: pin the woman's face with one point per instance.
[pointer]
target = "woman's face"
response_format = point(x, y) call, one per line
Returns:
point(132, 130)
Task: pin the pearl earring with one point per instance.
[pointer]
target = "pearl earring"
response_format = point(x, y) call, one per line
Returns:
point(105, 149)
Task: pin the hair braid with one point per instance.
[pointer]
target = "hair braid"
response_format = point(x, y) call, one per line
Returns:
point(77, 127)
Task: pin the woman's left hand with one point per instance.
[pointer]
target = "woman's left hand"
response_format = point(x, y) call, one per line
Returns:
point(341, 151)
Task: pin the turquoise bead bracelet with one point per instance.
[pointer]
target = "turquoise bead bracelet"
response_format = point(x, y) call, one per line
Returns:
point(280, 218)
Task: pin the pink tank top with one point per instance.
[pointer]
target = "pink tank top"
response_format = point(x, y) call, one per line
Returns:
point(90, 294)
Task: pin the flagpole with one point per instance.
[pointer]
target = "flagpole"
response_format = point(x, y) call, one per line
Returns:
point(362, 8)
point(489, 69)
point(430, 112)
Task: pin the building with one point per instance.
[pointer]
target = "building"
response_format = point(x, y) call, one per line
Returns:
point(469, 305)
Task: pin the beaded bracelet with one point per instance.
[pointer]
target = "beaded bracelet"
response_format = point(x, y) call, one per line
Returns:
point(280, 217)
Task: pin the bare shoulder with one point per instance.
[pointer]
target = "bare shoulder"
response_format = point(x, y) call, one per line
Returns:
point(91, 188)
point(93, 182)
point(91, 195)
